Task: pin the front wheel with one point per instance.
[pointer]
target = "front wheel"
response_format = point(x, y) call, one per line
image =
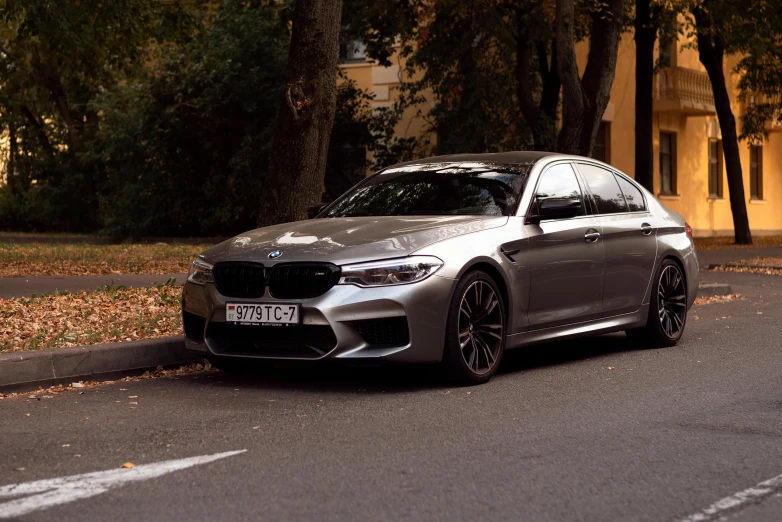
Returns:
point(475, 331)
point(667, 309)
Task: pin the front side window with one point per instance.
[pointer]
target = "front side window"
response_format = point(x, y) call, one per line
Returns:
point(633, 196)
point(559, 182)
point(436, 189)
point(667, 163)
point(605, 190)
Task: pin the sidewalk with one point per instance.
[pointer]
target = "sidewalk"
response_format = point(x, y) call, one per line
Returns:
point(27, 286)
point(728, 255)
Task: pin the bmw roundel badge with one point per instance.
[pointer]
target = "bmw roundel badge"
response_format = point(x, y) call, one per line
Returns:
point(275, 254)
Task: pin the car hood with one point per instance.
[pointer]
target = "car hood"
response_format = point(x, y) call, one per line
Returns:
point(347, 240)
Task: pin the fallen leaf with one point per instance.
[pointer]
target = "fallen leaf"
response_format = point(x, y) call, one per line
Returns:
point(612, 368)
point(77, 385)
point(128, 465)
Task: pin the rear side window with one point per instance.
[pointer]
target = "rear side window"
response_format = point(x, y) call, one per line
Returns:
point(605, 190)
point(633, 196)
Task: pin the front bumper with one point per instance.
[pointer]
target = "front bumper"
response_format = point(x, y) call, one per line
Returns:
point(423, 304)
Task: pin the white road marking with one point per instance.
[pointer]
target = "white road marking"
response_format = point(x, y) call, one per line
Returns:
point(52, 492)
point(721, 508)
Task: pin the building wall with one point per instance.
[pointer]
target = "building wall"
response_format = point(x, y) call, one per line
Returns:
point(707, 216)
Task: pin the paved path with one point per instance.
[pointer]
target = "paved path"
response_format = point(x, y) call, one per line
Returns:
point(591, 430)
point(726, 255)
point(27, 286)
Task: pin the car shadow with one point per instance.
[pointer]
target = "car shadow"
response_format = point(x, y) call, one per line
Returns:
point(392, 379)
point(563, 352)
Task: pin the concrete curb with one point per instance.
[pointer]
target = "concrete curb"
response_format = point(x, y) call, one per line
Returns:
point(712, 289)
point(29, 370)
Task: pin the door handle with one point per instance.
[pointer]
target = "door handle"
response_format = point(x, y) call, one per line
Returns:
point(591, 235)
point(646, 229)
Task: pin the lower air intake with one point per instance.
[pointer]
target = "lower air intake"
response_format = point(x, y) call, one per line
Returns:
point(388, 332)
point(280, 342)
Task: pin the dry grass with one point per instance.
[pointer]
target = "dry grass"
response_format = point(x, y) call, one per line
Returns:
point(31, 259)
point(106, 315)
point(749, 270)
point(756, 265)
point(718, 299)
point(714, 243)
point(762, 261)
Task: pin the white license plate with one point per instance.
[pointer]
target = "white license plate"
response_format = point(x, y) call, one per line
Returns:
point(262, 313)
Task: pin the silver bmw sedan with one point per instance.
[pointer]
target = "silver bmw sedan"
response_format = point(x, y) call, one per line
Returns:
point(450, 260)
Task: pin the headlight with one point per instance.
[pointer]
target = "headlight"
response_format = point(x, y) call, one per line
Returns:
point(391, 272)
point(200, 272)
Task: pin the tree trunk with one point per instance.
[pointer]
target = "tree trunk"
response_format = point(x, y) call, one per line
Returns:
point(585, 100)
point(49, 77)
point(540, 116)
point(11, 177)
point(711, 53)
point(573, 98)
point(39, 130)
point(645, 36)
point(300, 146)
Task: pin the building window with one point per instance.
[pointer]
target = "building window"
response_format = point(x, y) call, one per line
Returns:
point(715, 168)
point(354, 51)
point(602, 148)
point(756, 172)
point(667, 163)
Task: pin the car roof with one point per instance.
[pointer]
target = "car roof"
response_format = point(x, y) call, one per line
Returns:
point(509, 158)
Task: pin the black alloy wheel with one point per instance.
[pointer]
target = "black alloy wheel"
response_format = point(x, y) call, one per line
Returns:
point(672, 305)
point(476, 330)
point(667, 309)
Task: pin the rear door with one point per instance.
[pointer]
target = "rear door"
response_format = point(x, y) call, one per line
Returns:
point(629, 239)
point(566, 257)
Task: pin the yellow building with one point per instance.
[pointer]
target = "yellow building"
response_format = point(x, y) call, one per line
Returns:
point(689, 172)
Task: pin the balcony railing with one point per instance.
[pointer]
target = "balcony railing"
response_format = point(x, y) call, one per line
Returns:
point(688, 91)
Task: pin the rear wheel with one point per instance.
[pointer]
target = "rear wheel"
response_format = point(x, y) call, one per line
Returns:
point(475, 331)
point(667, 308)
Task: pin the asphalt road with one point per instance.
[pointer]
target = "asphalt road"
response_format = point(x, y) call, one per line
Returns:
point(589, 430)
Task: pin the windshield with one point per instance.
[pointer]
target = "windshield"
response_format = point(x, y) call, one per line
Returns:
point(435, 189)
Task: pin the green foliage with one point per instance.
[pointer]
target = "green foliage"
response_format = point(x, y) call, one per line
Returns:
point(469, 56)
point(165, 115)
point(752, 31)
point(185, 147)
point(54, 61)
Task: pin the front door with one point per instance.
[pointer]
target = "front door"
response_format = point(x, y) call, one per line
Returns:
point(565, 257)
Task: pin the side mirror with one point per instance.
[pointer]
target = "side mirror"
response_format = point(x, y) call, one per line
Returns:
point(314, 210)
point(556, 208)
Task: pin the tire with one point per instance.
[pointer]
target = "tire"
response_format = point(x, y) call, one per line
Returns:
point(475, 331)
point(667, 309)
